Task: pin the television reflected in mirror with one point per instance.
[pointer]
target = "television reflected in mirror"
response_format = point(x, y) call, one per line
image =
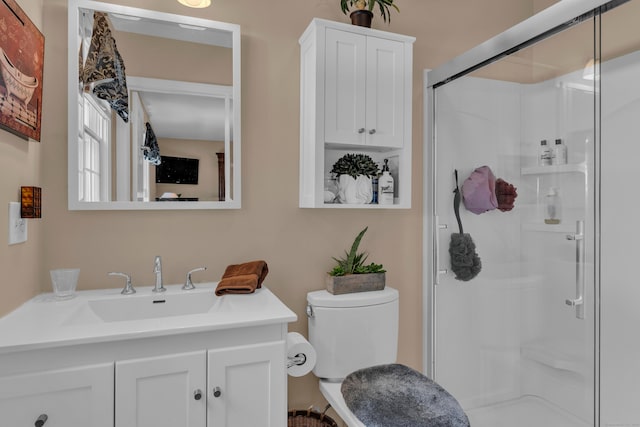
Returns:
point(177, 170)
point(182, 76)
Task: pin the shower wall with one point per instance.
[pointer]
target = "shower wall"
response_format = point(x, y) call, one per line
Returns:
point(510, 333)
point(557, 346)
point(620, 205)
point(478, 343)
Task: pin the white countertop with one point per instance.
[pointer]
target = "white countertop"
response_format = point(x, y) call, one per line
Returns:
point(44, 322)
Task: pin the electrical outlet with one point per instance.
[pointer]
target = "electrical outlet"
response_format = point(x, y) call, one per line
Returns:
point(17, 225)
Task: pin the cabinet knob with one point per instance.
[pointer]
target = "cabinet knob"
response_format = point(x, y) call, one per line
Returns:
point(372, 131)
point(197, 395)
point(361, 130)
point(41, 420)
point(217, 392)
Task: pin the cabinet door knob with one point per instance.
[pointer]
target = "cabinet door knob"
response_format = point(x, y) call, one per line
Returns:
point(372, 131)
point(41, 420)
point(361, 130)
point(217, 392)
point(197, 395)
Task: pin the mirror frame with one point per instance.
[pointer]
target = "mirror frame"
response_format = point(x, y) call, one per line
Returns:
point(232, 166)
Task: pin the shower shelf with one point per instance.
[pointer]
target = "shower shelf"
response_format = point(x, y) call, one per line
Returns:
point(542, 170)
point(566, 227)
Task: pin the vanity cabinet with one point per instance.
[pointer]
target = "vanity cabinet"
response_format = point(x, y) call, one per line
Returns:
point(82, 367)
point(77, 397)
point(247, 386)
point(355, 97)
point(233, 378)
point(161, 391)
point(233, 387)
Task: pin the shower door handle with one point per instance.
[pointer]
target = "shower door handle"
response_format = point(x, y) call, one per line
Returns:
point(578, 302)
point(436, 261)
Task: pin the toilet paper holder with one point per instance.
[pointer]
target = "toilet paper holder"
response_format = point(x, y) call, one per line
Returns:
point(299, 359)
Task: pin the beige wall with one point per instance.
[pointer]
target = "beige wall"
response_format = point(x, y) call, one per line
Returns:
point(297, 243)
point(20, 164)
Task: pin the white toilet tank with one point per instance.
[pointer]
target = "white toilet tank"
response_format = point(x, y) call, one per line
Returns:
point(352, 331)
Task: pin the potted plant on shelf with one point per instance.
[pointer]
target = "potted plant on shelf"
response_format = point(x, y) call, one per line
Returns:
point(351, 274)
point(354, 173)
point(363, 12)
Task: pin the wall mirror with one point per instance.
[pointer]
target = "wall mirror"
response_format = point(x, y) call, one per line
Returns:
point(154, 99)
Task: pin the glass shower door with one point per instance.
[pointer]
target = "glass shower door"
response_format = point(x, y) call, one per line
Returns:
point(516, 343)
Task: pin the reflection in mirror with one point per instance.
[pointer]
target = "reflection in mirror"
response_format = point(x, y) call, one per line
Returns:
point(155, 100)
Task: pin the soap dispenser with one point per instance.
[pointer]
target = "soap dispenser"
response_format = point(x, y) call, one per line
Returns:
point(552, 201)
point(385, 186)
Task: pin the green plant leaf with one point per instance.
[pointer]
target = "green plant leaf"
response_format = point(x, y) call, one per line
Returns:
point(354, 165)
point(354, 249)
point(353, 261)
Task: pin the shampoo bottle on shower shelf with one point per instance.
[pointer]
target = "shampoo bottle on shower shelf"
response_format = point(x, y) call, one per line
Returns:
point(559, 156)
point(385, 186)
point(552, 202)
point(544, 156)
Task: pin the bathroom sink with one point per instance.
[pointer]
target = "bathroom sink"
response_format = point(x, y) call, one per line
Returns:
point(140, 306)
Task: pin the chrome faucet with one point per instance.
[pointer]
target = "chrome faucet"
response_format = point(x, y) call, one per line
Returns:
point(157, 269)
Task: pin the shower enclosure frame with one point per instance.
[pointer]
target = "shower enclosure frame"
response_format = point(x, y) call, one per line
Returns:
point(546, 23)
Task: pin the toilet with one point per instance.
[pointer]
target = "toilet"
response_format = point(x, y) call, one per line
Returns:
point(355, 338)
point(350, 332)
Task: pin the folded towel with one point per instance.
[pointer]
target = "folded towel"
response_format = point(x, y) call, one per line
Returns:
point(243, 284)
point(258, 267)
point(242, 278)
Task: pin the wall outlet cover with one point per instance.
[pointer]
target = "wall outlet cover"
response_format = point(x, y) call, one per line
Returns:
point(17, 225)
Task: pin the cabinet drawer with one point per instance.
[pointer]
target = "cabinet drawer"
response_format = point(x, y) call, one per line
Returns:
point(78, 397)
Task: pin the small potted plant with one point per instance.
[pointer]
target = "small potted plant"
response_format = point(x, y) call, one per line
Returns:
point(362, 13)
point(354, 173)
point(351, 274)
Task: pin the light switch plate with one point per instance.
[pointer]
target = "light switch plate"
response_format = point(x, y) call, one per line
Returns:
point(17, 225)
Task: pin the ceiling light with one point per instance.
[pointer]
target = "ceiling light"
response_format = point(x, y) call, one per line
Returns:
point(195, 3)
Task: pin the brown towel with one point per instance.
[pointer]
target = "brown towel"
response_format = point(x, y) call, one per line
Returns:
point(242, 278)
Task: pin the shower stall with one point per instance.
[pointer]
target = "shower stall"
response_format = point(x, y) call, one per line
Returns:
point(545, 334)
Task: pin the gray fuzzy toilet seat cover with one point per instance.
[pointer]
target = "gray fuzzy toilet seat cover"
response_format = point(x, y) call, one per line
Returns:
point(397, 396)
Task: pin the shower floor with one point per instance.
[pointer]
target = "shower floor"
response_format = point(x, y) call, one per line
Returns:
point(527, 411)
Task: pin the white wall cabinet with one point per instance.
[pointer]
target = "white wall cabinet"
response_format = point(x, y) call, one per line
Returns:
point(364, 96)
point(355, 97)
point(77, 397)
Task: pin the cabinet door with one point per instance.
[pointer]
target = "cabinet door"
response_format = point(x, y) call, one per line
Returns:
point(77, 397)
point(162, 391)
point(385, 92)
point(247, 386)
point(345, 117)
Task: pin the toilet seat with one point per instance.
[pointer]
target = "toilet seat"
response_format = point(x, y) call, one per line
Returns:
point(331, 391)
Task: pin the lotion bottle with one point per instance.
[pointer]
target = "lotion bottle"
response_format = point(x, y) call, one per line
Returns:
point(385, 186)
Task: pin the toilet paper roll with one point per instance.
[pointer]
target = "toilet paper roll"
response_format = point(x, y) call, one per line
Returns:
point(301, 355)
